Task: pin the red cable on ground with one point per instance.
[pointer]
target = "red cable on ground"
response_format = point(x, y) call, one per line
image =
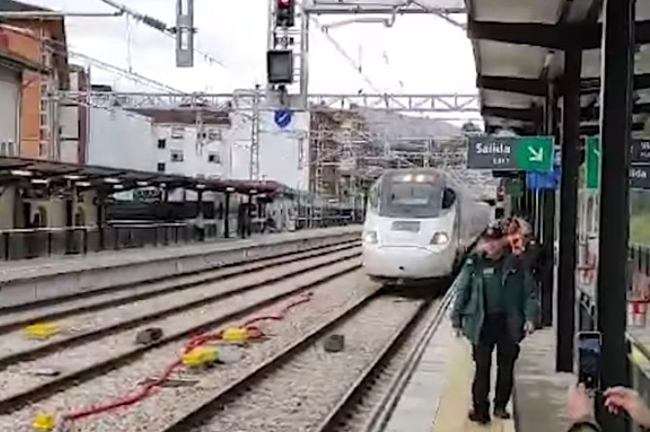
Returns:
point(196, 341)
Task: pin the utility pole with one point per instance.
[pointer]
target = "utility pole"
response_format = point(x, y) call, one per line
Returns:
point(254, 163)
point(185, 33)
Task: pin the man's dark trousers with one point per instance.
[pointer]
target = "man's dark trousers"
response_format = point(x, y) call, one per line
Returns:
point(494, 333)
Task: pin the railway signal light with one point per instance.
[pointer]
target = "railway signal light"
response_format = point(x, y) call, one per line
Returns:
point(279, 67)
point(285, 11)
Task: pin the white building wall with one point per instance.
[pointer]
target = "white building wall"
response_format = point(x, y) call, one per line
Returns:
point(69, 139)
point(284, 152)
point(127, 140)
point(237, 146)
point(10, 93)
point(181, 151)
point(121, 139)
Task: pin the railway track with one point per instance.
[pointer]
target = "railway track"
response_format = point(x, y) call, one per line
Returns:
point(304, 388)
point(285, 383)
point(15, 317)
point(89, 354)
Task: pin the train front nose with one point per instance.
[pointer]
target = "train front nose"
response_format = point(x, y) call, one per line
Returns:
point(411, 262)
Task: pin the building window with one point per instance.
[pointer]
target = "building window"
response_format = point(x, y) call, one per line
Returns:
point(177, 156)
point(178, 132)
point(214, 158)
point(162, 143)
point(7, 148)
point(161, 166)
point(214, 135)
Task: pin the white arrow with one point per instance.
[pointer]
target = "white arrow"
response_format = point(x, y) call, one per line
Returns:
point(536, 155)
point(596, 152)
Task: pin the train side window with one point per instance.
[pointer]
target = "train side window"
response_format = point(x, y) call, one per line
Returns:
point(448, 198)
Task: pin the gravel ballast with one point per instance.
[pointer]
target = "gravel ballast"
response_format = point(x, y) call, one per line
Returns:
point(301, 393)
point(374, 395)
point(16, 341)
point(32, 314)
point(19, 377)
point(168, 403)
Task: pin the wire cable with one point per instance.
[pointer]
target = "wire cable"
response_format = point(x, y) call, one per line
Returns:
point(157, 24)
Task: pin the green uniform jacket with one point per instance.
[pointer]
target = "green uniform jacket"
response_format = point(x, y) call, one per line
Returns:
point(469, 306)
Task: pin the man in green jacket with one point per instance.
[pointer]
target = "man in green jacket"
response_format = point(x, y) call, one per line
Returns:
point(495, 306)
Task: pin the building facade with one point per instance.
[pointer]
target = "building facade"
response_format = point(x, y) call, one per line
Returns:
point(10, 107)
point(40, 45)
point(73, 121)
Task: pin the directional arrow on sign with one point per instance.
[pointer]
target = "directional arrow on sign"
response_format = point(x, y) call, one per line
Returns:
point(536, 155)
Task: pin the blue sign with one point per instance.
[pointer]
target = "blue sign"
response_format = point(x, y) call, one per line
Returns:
point(283, 118)
point(544, 181)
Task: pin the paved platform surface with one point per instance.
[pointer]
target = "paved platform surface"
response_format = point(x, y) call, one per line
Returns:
point(10, 270)
point(437, 397)
point(540, 392)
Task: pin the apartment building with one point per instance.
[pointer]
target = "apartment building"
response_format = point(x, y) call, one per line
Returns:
point(36, 51)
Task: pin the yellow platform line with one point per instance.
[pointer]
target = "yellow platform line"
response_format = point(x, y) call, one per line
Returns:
point(456, 399)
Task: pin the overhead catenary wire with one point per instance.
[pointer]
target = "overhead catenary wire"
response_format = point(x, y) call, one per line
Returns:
point(159, 25)
point(64, 49)
point(354, 64)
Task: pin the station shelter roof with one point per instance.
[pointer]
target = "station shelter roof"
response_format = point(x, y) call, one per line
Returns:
point(39, 173)
point(519, 48)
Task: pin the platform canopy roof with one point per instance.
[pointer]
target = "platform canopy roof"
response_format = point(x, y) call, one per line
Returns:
point(38, 173)
point(519, 48)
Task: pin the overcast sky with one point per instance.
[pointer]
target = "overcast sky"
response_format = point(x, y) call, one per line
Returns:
point(420, 54)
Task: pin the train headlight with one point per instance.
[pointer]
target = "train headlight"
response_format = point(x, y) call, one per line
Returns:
point(440, 239)
point(370, 237)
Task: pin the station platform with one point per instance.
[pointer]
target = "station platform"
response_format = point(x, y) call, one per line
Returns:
point(25, 281)
point(438, 395)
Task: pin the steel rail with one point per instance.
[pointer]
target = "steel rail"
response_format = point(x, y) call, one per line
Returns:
point(383, 410)
point(94, 334)
point(334, 419)
point(233, 390)
point(42, 391)
point(129, 285)
point(177, 283)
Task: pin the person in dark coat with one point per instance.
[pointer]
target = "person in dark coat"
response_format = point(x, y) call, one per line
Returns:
point(241, 220)
point(495, 306)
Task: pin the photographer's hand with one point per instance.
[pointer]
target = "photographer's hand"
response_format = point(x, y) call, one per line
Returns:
point(619, 399)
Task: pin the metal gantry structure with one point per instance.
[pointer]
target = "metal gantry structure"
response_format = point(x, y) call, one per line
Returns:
point(289, 34)
point(252, 100)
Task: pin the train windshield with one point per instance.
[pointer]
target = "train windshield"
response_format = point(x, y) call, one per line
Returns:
point(411, 199)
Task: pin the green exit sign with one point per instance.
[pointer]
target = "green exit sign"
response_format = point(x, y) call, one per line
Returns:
point(639, 163)
point(592, 163)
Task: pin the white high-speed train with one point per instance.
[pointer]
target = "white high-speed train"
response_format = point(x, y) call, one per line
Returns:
point(419, 225)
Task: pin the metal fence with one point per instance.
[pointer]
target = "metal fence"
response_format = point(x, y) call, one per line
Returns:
point(18, 244)
point(639, 354)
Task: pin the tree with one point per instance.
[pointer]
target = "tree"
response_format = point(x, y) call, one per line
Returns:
point(470, 128)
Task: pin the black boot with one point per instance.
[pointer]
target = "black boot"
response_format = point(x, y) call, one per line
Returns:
point(479, 416)
point(501, 413)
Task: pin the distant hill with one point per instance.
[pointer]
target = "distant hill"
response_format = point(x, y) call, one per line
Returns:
point(407, 132)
